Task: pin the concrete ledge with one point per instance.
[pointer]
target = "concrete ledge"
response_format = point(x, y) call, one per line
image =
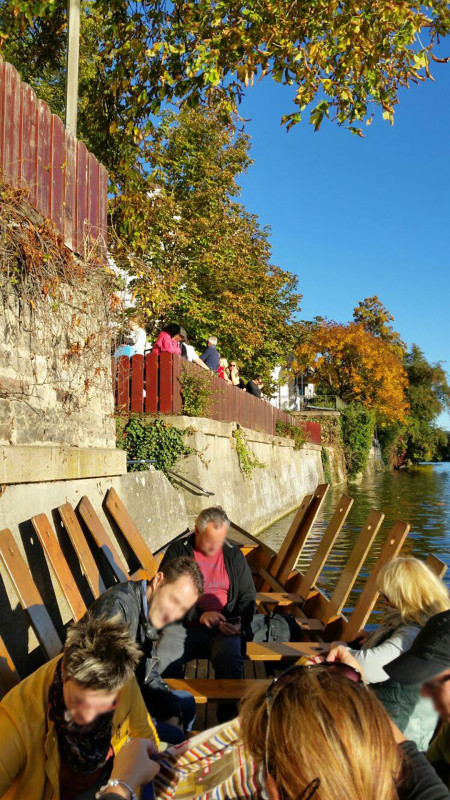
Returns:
point(212, 427)
point(33, 464)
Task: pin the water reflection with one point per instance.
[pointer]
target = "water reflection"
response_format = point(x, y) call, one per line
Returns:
point(420, 496)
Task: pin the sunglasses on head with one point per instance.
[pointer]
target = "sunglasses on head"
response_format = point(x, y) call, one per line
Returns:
point(285, 679)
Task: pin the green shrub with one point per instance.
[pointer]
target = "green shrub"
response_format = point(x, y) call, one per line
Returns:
point(196, 391)
point(326, 464)
point(298, 434)
point(247, 460)
point(357, 432)
point(154, 439)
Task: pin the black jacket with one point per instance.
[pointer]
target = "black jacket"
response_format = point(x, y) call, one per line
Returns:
point(253, 389)
point(125, 600)
point(421, 781)
point(241, 594)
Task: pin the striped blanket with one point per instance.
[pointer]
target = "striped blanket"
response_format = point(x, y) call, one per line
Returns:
point(211, 766)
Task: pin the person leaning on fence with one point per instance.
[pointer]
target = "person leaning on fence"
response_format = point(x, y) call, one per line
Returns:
point(189, 353)
point(147, 607)
point(169, 339)
point(222, 370)
point(411, 593)
point(233, 374)
point(136, 336)
point(317, 732)
point(211, 355)
point(254, 386)
point(221, 619)
point(61, 727)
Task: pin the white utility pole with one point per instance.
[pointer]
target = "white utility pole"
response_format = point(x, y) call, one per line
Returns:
point(73, 57)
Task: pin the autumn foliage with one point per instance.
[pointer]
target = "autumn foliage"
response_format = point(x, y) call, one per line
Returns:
point(357, 366)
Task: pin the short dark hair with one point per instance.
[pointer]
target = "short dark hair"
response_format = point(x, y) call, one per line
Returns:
point(183, 565)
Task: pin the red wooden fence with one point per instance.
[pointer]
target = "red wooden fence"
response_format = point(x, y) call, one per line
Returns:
point(66, 183)
point(151, 385)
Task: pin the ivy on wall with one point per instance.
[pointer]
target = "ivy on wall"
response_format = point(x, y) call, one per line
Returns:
point(357, 424)
point(247, 460)
point(299, 435)
point(151, 439)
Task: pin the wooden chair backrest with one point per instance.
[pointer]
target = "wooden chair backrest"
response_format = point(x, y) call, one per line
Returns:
point(102, 540)
point(436, 565)
point(353, 566)
point(369, 595)
point(8, 672)
point(63, 575)
point(81, 547)
point(130, 532)
point(320, 557)
point(28, 594)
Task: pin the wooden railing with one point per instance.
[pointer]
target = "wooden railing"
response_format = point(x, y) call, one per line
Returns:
point(65, 182)
point(152, 385)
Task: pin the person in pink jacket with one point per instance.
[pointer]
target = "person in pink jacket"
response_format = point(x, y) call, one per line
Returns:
point(169, 339)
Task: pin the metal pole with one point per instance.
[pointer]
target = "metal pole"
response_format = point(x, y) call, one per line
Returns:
point(73, 55)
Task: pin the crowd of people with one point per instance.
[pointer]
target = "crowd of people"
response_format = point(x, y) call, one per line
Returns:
point(371, 721)
point(174, 339)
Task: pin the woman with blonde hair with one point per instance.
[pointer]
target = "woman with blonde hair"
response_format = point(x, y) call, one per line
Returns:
point(318, 732)
point(411, 593)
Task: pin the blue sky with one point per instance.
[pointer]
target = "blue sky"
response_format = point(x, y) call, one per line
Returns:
point(356, 217)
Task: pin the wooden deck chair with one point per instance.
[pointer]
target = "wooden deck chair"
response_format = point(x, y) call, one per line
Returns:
point(63, 575)
point(130, 532)
point(102, 540)
point(302, 584)
point(318, 606)
point(285, 560)
point(436, 565)
point(28, 594)
point(369, 595)
point(81, 547)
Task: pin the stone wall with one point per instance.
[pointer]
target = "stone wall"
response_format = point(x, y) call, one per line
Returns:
point(254, 501)
point(55, 371)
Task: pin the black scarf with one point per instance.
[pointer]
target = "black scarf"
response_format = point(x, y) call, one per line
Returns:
point(84, 748)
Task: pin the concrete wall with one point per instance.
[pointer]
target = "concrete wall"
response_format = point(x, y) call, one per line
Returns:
point(252, 502)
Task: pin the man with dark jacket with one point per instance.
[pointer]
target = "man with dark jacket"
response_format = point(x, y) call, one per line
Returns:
point(211, 356)
point(147, 607)
point(217, 624)
point(254, 387)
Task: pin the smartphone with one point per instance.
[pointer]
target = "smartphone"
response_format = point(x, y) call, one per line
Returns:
point(233, 621)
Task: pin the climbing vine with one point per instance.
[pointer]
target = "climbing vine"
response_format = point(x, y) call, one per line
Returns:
point(299, 435)
point(147, 439)
point(247, 460)
point(357, 431)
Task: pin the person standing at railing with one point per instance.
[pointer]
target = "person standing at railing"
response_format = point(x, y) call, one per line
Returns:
point(189, 353)
point(136, 336)
point(222, 370)
point(234, 376)
point(211, 355)
point(254, 386)
point(169, 339)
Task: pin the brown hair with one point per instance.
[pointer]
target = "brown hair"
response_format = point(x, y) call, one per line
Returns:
point(323, 728)
point(100, 654)
point(184, 565)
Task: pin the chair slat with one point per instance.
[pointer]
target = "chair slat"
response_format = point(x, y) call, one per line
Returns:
point(369, 595)
point(81, 547)
point(436, 565)
point(275, 651)
point(215, 689)
point(299, 540)
point(28, 594)
point(102, 540)
point(52, 549)
point(328, 539)
point(128, 528)
point(353, 565)
point(294, 531)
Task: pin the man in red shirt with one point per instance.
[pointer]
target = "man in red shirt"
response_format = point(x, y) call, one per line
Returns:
point(221, 619)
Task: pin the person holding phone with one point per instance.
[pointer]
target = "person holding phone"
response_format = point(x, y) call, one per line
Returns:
point(220, 620)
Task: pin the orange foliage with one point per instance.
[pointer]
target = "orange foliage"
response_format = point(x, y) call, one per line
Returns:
point(357, 366)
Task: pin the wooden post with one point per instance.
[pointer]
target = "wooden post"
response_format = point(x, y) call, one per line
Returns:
point(72, 62)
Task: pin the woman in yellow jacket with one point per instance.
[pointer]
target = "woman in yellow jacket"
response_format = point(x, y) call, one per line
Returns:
point(61, 727)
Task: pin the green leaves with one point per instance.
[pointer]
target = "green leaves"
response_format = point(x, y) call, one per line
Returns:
point(156, 440)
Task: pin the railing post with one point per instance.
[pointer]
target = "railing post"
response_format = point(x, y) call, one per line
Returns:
point(165, 383)
point(151, 383)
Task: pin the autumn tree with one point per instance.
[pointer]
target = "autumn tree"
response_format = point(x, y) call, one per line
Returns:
point(344, 60)
point(198, 256)
point(376, 319)
point(356, 366)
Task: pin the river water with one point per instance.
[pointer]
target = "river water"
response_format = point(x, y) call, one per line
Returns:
point(420, 496)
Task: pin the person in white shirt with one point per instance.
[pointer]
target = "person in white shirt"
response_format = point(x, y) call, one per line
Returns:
point(188, 352)
point(137, 336)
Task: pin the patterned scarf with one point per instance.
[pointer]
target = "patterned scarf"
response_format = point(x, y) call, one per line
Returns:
point(84, 748)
